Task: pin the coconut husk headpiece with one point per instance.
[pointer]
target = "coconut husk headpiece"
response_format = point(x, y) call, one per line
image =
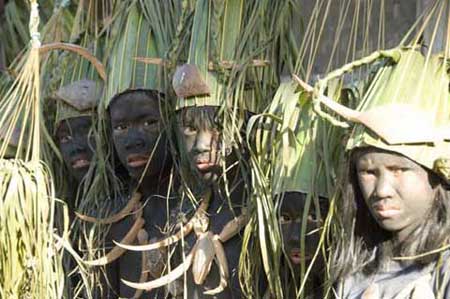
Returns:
point(405, 109)
point(77, 99)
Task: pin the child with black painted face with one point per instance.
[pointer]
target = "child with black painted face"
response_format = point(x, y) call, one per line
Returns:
point(73, 141)
point(74, 120)
point(296, 176)
point(292, 212)
point(201, 137)
point(75, 114)
point(201, 142)
point(139, 138)
point(139, 135)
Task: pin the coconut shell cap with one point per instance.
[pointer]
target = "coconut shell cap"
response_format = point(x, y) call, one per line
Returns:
point(188, 82)
point(209, 89)
point(79, 98)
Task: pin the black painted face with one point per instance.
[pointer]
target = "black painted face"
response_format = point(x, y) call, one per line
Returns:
point(291, 211)
point(73, 140)
point(202, 141)
point(137, 133)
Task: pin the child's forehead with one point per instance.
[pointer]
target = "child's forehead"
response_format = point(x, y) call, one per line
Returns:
point(293, 201)
point(199, 112)
point(73, 123)
point(201, 117)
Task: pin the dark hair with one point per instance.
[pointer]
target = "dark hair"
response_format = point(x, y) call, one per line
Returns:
point(200, 117)
point(147, 93)
point(362, 245)
point(210, 117)
point(207, 117)
point(321, 203)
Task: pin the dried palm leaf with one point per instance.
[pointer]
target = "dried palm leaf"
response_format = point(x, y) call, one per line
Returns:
point(31, 265)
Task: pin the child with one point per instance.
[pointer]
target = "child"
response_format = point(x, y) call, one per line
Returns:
point(201, 140)
point(76, 107)
point(291, 215)
point(140, 141)
point(392, 217)
point(399, 209)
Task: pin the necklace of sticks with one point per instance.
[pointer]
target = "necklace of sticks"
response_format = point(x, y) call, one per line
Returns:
point(208, 247)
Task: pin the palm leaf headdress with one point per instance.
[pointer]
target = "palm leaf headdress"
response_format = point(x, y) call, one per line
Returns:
point(405, 108)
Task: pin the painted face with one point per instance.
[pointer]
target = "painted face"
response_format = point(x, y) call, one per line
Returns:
point(137, 133)
point(202, 144)
point(397, 191)
point(73, 139)
point(292, 209)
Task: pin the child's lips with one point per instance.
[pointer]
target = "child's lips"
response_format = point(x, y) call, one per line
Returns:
point(204, 165)
point(386, 210)
point(137, 160)
point(388, 213)
point(80, 163)
point(296, 256)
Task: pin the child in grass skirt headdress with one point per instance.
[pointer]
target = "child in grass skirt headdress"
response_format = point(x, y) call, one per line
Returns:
point(76, 107)
point(290, 155)
point(133, 108)
point(212, 158)
point(214, 102)
point(393, 212)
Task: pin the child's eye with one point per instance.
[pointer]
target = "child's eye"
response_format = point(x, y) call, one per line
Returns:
point(189, 130)
point(149, 123)
point(313, 218)
point(65, 139)
point(365, 171)
point(314, 214)
point(285, 219)
point(398, 169)
point(120, 127)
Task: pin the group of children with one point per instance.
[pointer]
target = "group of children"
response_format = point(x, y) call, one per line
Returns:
point(390, 208)
point(140, 137)
point(354, 173)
